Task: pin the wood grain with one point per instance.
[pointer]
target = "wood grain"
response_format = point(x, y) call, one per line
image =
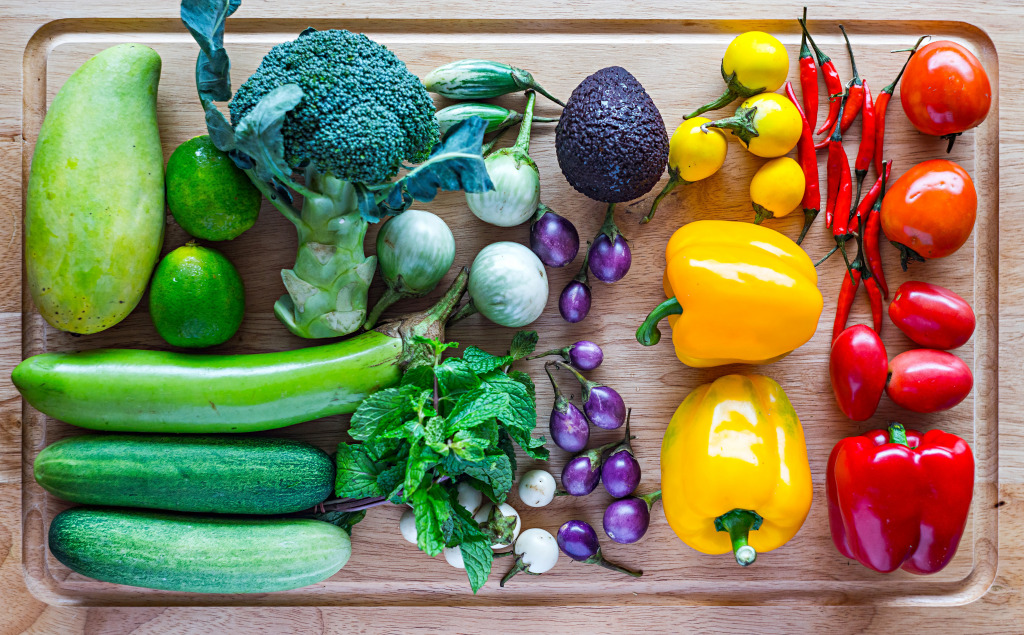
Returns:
point(651, 380)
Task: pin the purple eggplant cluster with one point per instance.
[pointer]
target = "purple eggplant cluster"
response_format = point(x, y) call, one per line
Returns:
point(602, 406)
point(608, 258)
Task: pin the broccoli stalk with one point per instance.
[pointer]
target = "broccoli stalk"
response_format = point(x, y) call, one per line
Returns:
point(346, 113)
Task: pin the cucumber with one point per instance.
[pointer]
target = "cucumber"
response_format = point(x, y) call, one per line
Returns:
point(94, 207)
point(217, 474)
point(179, 552)
point(157, 391)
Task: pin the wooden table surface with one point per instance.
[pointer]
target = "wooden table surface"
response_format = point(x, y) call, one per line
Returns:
point(1000, 610)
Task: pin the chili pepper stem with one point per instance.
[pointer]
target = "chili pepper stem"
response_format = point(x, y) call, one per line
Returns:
point(598, 559)
point(739, 523)
point(648, 334)
point(809, 215)
point(741, 124)
point(674, 181)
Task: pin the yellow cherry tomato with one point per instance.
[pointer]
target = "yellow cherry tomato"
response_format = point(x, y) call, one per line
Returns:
point(754, 62)
point(768, 125)
point(777, 188)
point(694, 153)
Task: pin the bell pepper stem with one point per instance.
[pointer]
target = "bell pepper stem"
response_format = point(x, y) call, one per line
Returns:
point(739, 523)
point(649, 334)
point(898, 434)
point(598, 559)
point(741, 124)
point(651, 498)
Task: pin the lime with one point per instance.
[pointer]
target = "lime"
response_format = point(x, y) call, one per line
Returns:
point(208, 195)
point(196, 298)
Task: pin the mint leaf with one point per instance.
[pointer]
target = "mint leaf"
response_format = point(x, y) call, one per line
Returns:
point(421, 459)
point(496, 471)
point(357, 472)
point(478, 558)
point(421, 376)
point(383, 410)
point(454, 376)
point(483, 362)
point(505, 444)
point(526, 381)
point(345, 520)
point(431, 509)
point(390, 480)
point(523, 344)
point(475, 408)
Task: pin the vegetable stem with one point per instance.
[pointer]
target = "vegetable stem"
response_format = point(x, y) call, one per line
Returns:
point(523, 140)
point(649, 334)
point(389, 297)
point(739, 523)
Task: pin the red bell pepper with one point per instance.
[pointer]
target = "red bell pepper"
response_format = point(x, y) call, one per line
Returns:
point(900, 499)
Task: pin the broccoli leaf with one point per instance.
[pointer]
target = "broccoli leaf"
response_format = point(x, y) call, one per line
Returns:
point(259, 133)
point(457, 163)
point(205, 19)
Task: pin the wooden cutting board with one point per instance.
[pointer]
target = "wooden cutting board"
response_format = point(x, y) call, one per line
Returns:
point(998, 607)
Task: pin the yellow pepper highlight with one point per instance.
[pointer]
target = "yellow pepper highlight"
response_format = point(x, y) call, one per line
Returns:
point(746, 294)
point(734, 472)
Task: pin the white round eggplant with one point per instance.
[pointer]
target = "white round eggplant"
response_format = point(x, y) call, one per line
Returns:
point(407, 525)
point(508, 284)
point(415, 249)
point(539, 550)
point(516, 192)
point(537, 488)
point(454, 557)
point(506, 510)
point(469, 497)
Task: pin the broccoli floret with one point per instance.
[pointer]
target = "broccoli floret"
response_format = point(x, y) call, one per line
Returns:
point(362, 114)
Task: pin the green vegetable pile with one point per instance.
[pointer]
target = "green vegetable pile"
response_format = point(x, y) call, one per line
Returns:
point(346, 113)
point(450, 420)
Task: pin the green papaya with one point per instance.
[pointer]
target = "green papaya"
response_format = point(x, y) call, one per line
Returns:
point(94, 215)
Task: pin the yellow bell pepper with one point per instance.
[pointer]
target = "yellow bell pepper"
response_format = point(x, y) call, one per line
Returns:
point(734, 472)
point(746, 294)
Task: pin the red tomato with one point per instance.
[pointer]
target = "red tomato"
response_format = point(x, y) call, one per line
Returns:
point(945, 90)
point(930, 210)
point(931, 315)
point(858, 368)
point(927, 380)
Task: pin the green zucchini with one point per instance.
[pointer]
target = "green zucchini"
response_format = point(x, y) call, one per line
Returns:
point(158, 391)
point(94, 205)
point(180, 552)
point(187, 473)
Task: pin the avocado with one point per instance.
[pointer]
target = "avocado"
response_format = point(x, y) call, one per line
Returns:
point(611, 141)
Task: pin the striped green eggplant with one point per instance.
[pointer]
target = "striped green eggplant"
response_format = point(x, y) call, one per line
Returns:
point(481, 79)
point(498, 118)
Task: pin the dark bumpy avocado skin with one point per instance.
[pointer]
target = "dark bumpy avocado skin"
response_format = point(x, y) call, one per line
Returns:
point(611, 140)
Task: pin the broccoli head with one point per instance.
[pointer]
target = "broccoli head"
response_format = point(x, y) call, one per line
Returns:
point(362, 113)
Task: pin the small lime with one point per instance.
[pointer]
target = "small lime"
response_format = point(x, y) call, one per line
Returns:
point(208, 195)
point(196, 298)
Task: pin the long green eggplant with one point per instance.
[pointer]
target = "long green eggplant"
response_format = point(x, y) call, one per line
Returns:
point(156, 391)
point(94, 206)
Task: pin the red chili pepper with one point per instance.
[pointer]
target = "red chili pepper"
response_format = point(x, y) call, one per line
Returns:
point(833, 84)
point(875, 298)
point(866, 151)
point(873, 229)
point(899, 499)
point(808, 82)
point(811, 202)
point(855, 90)
point(844, 198)
point(847, 292)
point(834, 168)
point(866, 203)
point(882, 103)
